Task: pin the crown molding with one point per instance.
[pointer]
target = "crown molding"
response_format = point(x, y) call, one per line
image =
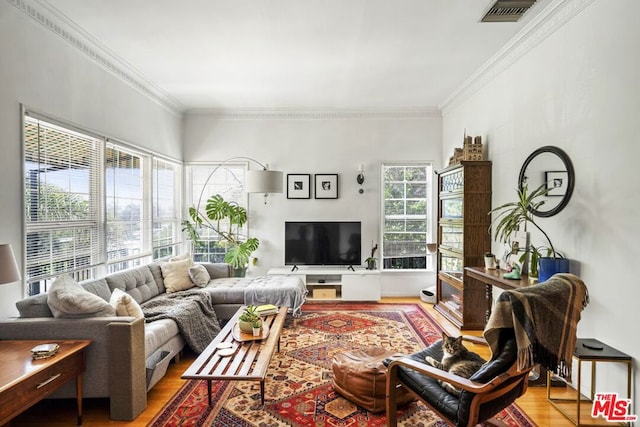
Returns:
point(547, 22)
point(277, 113)
point(50, 18)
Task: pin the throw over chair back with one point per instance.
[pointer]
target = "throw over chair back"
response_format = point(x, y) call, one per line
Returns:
point(534, 325)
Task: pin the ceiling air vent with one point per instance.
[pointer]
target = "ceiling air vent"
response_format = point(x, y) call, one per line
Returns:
point(507, 10)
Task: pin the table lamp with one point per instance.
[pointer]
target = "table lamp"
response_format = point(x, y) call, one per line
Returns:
point(8, 266)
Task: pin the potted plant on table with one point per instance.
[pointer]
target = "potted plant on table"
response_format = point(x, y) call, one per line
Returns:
point(249, 319)
point(239, 249)
point(510, 216)
point(490, 261)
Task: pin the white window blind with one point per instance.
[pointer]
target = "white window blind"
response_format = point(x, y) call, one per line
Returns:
point(93, 207)
point(406, 225)
point(228, 180)
point(167, 235)
point(127, 214)
point(62, 207)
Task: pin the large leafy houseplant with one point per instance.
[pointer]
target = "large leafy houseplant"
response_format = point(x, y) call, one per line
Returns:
point(509, 218)
point(226, 220)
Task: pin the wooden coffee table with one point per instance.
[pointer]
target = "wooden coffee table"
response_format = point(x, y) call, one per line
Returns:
point(250, 358)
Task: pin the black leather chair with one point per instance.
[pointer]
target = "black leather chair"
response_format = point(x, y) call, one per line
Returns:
point(544, 317)
point(494, 387)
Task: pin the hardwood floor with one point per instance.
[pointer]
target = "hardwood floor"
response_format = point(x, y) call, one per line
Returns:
point(56, 413)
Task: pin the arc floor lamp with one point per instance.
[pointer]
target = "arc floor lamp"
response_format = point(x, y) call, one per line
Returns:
point(262, 180)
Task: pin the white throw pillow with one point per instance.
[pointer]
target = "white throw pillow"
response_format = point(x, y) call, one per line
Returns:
point(176, 275)
point(181, 258)
point(125, 305)
point(199, 275)
point(67, 298)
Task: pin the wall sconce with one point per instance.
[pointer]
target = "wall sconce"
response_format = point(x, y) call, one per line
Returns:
point(360, 177)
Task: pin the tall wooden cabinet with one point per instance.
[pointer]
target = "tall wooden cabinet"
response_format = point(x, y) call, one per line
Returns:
point(464, 201)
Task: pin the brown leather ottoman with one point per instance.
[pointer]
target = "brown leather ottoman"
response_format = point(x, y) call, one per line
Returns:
point(360, 377)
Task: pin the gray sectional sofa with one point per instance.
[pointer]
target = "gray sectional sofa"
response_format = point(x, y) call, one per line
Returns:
point(128, 355)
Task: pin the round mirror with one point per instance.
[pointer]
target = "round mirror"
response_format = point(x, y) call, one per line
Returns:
point(552, 167)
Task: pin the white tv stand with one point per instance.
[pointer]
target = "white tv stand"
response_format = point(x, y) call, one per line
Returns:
point(336, 283)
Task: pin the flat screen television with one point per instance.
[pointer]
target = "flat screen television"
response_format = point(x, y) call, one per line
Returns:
point(335, 243)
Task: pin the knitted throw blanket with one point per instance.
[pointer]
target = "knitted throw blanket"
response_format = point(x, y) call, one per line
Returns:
point(544, 318)
point(192, 310)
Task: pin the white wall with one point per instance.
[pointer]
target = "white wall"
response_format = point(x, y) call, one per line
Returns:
point(578, 90)
point(44, 72)
point(304, 144)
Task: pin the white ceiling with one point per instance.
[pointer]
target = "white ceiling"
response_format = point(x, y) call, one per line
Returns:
point(297, 53)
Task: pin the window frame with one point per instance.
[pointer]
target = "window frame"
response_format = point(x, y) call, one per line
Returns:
point(429, 215)
point(211, 251)
point(101, 265)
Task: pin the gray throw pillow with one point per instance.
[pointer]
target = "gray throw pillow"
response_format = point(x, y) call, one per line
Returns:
point(199, 275)
point(67, 298)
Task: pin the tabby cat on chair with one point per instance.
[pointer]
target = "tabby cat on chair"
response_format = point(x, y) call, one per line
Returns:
point(456, 359)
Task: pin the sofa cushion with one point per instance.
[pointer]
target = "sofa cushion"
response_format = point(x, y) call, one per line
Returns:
point(176, 275)
point(137, 282)
point(199, 275)
point(35, 306)
point(98, 287)
point(156, 273)
point(157, 333)
point(217, 270)
point(125, 305)
point(67, 298)
point(230, 290)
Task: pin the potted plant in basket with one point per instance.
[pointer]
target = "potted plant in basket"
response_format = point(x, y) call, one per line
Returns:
point(239, 249)
point(510, 216)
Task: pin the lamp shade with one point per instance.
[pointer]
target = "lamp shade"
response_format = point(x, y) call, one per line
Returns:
point(8, 266)
point(264, 181)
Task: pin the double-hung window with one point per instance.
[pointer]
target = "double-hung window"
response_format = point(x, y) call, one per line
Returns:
point(166, 202)
point(94, 206)
point(127, 180)
point(62, 182)
point(406, 225)
point(204, 181)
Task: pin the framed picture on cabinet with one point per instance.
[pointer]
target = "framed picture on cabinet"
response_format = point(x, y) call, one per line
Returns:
point(326, 186)
point(556, 183)
point(298, 186)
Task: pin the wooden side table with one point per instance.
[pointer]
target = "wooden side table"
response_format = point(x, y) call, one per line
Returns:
point(594, 351)
point(24, 381)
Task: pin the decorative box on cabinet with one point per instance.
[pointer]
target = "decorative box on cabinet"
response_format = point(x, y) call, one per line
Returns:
point(464, 201)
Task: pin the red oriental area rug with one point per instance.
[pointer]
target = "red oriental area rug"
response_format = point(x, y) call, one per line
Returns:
point(298, 388)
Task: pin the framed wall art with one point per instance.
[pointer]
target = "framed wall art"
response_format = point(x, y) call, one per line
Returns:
point(556, 183)
point(298, 186)
point(326, 186)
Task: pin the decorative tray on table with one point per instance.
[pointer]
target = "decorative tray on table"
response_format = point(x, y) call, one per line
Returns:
point(241, 336)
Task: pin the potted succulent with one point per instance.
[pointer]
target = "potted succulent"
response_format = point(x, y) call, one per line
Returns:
point(257, 327)
point(249, 319)
point(217, 209)
point(371, 261)
point(510, 216)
